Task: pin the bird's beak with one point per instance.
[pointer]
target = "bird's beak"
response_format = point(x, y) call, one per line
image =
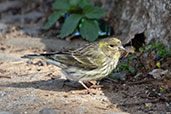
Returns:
point(121, 48)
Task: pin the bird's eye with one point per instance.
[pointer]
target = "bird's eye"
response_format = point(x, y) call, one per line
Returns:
point(118, 42)
point(111, 45)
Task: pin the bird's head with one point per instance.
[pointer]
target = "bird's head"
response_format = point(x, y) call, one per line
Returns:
point(111, 47)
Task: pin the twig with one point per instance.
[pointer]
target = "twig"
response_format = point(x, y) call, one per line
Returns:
point(5, 77)
point(100, 108)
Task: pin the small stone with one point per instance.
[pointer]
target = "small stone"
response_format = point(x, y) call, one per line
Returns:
point(158, 73)
point(29, 62)
point(47, 111)
point(167, 104)
point(2, 48)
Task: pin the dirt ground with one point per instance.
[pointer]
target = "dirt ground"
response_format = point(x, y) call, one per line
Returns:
point(34, 87)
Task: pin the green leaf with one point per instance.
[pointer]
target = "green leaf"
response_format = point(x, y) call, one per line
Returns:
point(141, 49)
point(89, 30)
point(74, 2)
point(123, 66)
point(74, 7)
point(131, 69)
point(153, 45)
point(61, 5)
point(148, 47)
point(160, 46)
point(162, 53)
point(70, 25)
point(84, 3)
point(53, 18)
point(93, 12)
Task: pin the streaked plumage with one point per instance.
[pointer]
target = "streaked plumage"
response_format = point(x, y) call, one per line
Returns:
point(90, 62)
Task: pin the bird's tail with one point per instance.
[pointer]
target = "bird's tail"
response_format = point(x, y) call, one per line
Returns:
point(35, 56)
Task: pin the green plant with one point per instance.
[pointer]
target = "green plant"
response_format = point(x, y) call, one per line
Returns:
point(161, 51)
point(126, 65)
point(82, 17)
point(158, 50)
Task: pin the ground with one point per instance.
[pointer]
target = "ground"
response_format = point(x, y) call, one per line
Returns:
point(32, 86)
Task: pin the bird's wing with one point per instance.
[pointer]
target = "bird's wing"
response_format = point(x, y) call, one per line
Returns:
point(84, 57)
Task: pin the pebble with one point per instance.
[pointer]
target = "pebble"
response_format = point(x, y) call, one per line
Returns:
point(158, 73)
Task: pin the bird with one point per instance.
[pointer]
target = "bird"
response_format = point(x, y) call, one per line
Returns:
point(90, 62)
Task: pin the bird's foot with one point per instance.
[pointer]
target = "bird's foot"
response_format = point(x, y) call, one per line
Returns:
point(88, 90)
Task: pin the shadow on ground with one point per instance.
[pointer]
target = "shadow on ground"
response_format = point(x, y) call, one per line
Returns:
point(49, 85)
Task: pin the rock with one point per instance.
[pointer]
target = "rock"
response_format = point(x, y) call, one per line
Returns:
point(47, 111)
point(158, 73)
point(133, 17)
point(4, 112)
point(4, 6)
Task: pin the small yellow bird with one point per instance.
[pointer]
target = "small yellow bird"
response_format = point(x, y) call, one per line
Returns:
point(91, 62)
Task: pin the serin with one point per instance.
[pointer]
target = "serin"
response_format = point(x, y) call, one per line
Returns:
point(91, 62)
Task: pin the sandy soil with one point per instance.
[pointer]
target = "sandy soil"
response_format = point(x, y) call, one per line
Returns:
point(33, 87)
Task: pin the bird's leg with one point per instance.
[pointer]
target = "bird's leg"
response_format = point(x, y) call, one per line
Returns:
point(89, 91)
point(96, 84)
